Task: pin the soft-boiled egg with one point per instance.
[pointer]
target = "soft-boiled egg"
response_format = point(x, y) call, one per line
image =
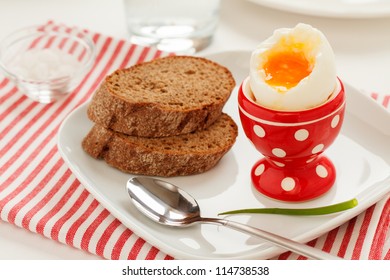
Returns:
point(293, 70)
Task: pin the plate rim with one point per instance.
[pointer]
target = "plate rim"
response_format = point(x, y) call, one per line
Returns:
point(346, 9)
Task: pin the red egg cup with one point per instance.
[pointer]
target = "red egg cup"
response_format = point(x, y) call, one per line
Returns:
point(292, 142)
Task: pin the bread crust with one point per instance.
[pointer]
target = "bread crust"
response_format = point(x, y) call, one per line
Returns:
point(165, 97)
point(175, 156)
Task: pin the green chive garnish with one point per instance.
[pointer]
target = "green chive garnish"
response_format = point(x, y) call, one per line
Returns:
point(325, 210)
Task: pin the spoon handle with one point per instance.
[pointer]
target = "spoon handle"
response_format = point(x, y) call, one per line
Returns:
point(289, 244)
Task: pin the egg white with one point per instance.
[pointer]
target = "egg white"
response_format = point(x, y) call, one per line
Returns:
point(312, 90)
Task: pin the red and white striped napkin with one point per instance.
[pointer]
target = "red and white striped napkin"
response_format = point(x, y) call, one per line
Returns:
point(39, 193)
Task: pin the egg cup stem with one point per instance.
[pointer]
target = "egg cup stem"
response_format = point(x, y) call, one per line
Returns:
point(293, 183)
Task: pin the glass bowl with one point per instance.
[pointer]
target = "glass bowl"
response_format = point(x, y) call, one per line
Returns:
point(46, 62)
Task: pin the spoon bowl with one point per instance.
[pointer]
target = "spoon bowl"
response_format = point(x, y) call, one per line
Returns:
point(169, 205)
point(163, 202)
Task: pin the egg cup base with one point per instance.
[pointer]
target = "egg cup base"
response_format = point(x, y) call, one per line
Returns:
point(293, 184)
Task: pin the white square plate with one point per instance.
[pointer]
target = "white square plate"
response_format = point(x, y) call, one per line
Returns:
point(361, 156)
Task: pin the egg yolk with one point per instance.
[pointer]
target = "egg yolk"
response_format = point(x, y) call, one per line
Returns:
point(285, 70)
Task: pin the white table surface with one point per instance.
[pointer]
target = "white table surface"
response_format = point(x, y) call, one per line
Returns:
point(361, 46)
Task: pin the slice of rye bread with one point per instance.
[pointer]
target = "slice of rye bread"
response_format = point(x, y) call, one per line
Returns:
point(164, 97)
point(180, 155)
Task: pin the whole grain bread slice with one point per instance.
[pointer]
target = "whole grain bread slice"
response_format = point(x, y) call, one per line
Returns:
point(164, 97)
point(185, 154)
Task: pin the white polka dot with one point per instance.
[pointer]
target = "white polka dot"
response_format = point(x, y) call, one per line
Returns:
point(259, 131)
point(317, 148)
point(301, 134)
point(278, 152)
point(288, 184)
point(259, 170)
point(321, 171)
point(280, 164)
point(335, 121)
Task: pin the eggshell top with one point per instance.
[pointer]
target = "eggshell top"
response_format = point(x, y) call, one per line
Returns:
point(293, 70)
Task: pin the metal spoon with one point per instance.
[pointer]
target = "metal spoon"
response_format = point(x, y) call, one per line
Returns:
point(167, 204)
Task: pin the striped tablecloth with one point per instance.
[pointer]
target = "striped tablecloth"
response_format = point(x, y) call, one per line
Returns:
point(40, 194)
